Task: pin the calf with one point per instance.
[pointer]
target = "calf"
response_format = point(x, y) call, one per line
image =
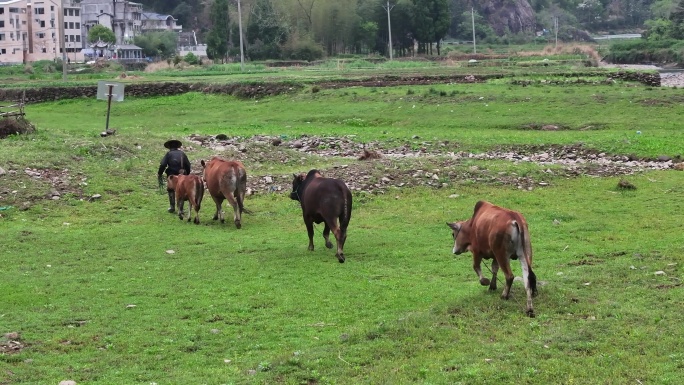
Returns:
point(324, 200)
point(226, 179)
point(502, 234)
point(188, 188)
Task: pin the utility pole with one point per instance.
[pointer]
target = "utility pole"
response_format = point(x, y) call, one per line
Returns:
point(242, 52)
point(472, 17)
point(555, 27)
point(60, 18)
point(389, 26)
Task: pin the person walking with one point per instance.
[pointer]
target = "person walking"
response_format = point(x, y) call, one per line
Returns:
point(175, 162)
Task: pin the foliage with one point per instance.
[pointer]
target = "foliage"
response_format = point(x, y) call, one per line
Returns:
point(102, 33)
point(301, 49)
point(158, 44)
point(217, 38)
point(651, 50)
point(191, 58)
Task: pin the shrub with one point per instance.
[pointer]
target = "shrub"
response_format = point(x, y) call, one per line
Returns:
point(305, 49)
point(191, 58)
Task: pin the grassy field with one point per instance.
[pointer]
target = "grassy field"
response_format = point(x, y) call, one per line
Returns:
point(116, 291)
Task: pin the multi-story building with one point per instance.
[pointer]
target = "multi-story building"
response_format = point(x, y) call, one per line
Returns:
point(156, 22)
point(73, 34)
point(29, 30)
point(121, 16)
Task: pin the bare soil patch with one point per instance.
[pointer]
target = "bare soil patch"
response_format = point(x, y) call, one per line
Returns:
point(435, 164)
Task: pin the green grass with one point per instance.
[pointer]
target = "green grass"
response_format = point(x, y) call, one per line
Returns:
point(254, 306)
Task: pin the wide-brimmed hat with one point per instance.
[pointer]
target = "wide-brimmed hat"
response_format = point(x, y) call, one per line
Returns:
point(173, 143)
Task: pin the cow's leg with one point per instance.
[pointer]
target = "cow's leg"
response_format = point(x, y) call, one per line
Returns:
point(506, 267)
point(326, 235)
point(237, 217)
point(218, 201)
point(191, 206)
point(476, 266)
point(495, 269)
point(310, 231)
point(340, 237)
point(180, 202)
point(527, 276)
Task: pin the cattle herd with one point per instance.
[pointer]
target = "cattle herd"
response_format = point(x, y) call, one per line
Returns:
point(491, 233)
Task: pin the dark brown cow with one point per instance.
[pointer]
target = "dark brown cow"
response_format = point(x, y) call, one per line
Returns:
point(502, 234)
point(226, 179)
point(324, 200)
point(188, 188)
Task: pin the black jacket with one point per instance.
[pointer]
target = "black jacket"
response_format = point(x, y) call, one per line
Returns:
point(173, 162)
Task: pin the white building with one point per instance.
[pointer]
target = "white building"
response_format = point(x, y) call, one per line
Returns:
point(29, 30)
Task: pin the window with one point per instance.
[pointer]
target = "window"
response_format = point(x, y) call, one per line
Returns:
point(52, 7)
point(71, 12)
point(72, 38)
point(65, 12)
point(3, 51)
point(66, 25)
point(43, 50)
point(2, 36)
point(2, 10)
point(39, 11)
point(40, 35)
point(71, 25)
point(14, 10)
point(78, 25)
point(2, 23)
point(42, 23)
point(78, 38)
point(76, 12)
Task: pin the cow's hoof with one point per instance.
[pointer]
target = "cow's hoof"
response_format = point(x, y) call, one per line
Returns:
point(171, 210)
point(340, 258)
point(223, 221)
point(180, 217)
point(311, 248)
point(484, 281)
point(215, 217)
point(492, 287)
point(238, 224)
point(328, 244)
point(530, 313)
point(196, 221)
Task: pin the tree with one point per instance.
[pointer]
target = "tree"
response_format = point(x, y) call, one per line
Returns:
point(431, 21)
point(265, 31)
point(102, 33)
point(217, 39)
point(157, 44)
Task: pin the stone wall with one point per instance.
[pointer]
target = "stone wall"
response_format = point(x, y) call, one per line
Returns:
point(258, 90)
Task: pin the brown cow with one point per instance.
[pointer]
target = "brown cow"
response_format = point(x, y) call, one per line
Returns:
point(226, 179)
point(188, 188)
point(502, 234)
point(324, 200)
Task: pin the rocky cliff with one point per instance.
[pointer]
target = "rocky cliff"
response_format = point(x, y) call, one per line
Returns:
point(509, 15)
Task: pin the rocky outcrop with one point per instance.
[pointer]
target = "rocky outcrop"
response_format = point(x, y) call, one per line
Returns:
point(509, 16)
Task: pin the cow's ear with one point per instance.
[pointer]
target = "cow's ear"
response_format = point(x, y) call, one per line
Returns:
point(454, 225)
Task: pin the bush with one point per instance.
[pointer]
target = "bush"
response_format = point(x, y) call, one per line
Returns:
point(191, 58)
point(302, 50)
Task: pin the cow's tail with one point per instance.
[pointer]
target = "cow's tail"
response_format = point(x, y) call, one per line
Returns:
point(524, 251)
point(346, 211)
point(199, 193)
